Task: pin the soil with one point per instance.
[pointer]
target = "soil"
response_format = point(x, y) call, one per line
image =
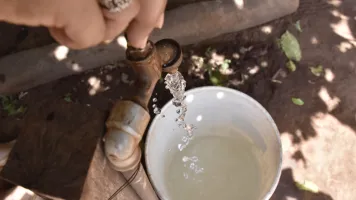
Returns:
point(318, 138)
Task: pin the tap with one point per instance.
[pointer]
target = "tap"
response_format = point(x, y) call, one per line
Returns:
point(129, 118)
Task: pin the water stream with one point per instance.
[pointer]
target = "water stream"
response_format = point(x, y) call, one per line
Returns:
point(176, 84)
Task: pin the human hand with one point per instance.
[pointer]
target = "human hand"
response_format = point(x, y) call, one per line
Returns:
point(140, 18)
point(83, 23)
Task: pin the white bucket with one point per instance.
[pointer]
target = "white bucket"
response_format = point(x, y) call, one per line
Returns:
point(221, 112)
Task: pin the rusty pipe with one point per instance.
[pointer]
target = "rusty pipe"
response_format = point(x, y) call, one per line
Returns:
point(129, 118)
point(165, 55)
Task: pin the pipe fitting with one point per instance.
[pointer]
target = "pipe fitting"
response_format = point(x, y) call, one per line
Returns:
point(128, 119)
point(125, 127)
point(171, 55)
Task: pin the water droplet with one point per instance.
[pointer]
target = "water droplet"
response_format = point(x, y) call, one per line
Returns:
point(154, 99)
point(192, 166)
point(185, 139)
point(198, 171)
point(176, 84)
point(156, 111)
point(194, 159)
point(154, 105)
point(180, 147)
point(185, 159)
point(176, 104)
point(185, 175)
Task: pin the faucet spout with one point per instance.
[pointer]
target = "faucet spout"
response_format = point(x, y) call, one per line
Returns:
point(128, 119)
point(149, 63)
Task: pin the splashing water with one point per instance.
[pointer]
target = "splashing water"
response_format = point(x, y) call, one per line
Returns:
point(156, 111)
point(176, 84)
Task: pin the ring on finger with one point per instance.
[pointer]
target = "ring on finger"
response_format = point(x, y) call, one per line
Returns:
point(115, 5)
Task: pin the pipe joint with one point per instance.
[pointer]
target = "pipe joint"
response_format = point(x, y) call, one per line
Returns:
point(125, 127)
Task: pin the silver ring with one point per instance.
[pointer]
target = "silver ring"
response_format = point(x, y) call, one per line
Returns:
point(115, 5)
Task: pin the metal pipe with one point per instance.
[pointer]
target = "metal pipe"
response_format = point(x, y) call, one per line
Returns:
point(128, 119)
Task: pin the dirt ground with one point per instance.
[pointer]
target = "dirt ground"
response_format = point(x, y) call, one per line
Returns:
point(318, 138)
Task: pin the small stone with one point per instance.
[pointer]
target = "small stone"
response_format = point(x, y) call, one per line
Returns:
point(125, 78)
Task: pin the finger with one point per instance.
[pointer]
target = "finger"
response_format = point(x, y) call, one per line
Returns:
point(160, 21)
point(85, 27)
point(138, 33)
point(151, 11)
point(149, 17)
point(60, 36)
point(116, 23)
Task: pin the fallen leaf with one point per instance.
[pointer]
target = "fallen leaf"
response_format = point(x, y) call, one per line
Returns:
point(243, 50)
point(277, 81)
point(290, 46)
point(22, 95)
point(298, 27)
point(291, 66)
point(20, 110)
point(317, 71)
point(298, 101)
point(308, 186)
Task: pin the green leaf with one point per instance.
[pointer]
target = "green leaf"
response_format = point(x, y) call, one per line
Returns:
point(20, 110)
point(67, 97)
point(298, 101)
point(291, 66)
point(216, 78)
point(298, 27)
point(290, 46)
point(317, 71)
point(10, 105)
point(225, 66)
point(308, 186)
point(208, 52)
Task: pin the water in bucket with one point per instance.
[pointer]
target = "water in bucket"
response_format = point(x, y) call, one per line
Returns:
point(213, 167)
